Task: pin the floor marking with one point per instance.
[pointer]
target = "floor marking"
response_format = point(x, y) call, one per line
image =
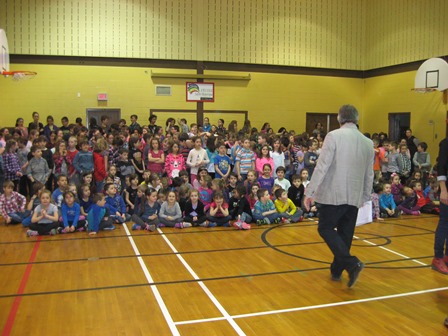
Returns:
point(15, 306)
point(391, 251)
point(154, 289)
point(226, 315)
point(326, 305)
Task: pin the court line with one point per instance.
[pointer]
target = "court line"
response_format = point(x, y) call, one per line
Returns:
point(154, 289)
point(222, 278)
point(393, 252)
point(226, 315)
point(320, 306)
point(15, 306)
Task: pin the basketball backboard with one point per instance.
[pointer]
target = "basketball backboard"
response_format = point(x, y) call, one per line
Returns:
point(4, 52)
point(432, 75)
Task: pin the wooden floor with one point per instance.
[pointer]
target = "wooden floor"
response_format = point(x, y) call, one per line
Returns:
point(271, 280)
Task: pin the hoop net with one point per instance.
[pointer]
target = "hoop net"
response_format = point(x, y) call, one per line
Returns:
point(20, 75)
point(423, 90)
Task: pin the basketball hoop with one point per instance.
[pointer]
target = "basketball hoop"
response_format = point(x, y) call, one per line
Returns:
point(19, 75)
point(423, 90)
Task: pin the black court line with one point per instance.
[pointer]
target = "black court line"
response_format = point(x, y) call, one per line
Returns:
point(96, 258)
point(161, 283)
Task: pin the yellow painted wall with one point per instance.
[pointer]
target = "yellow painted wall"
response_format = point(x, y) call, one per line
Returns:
point(392, 93)
point(279, 99)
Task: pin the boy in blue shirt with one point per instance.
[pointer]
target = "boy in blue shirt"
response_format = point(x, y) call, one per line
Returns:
point(222, 162)
point(116, 204)
point(387, 203)
point(98, 216)
point(264, 210)
point(83, 161)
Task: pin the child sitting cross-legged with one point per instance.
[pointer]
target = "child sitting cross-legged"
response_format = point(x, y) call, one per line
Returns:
point(286, 208)
point(45, 217)
point(387, 203)
point(264, 210)
point(98, 216)
point(239, 208)
point(116, 204)
point(71, 212)
point(170, 214)
point(146, 212)
point(219, 211)
point(194, 210)
point(12, 204)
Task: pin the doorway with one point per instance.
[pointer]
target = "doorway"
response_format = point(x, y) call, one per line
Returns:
point(399, 122)
point(114, 115)
point(329, 121)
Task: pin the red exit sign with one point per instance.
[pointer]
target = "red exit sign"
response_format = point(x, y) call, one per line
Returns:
point(102, 96)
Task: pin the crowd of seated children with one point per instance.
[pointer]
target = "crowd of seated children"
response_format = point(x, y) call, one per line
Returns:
point(194, 178)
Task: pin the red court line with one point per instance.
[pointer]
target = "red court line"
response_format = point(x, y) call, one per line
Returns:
point(15, 306)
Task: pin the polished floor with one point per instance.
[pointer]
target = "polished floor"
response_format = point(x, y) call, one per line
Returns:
point(271, 280)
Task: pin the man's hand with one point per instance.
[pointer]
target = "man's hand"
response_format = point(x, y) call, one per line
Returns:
point(308, 202)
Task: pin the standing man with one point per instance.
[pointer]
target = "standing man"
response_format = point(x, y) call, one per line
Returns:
point(412, 143)
point(342, 183)
point(439, 263)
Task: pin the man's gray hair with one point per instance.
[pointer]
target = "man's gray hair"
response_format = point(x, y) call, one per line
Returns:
point(348, 113)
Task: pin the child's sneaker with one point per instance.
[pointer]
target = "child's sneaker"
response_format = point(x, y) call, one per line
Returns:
point(150, 228)
point(266, 221)
point(81, 229)
point(204, 224)
point(212, 224)
point(160, 225)
point(300, 219)
point(260, 222)
point(277, 220)
point(135, 226)
point(415, 213)
point(186, 224)
point(109, 228)
point(31, 233)
point(65, 230)
point(286, 221)
point(238, 224)
point(53, 232)
point(179, 225)
point(245, 226)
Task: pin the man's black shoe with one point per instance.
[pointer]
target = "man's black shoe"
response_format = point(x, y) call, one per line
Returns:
point(336, 277)
point(353, 274)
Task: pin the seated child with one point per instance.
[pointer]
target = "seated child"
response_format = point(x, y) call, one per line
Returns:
point(409, 204)
point(57, 196)
point(264, 210)
point(286, 208)
point(296, 191)
point(281, 180)
point(219, 211)
point(71, 211)
point(115, 203)
point(98, 216)
point(130, 193)
point(239, 207)
point(205, 191)
point(45, 217)
point(375, 197)
point(85, 201)
point(184, 175)
point(38, 187)
point(396, 188)
point(387, 203)
point(424, 204)
point(194, 210)
point(266, 180)
point(170, 214)
point(12, 204)
point(252, 198)
point(146, 215)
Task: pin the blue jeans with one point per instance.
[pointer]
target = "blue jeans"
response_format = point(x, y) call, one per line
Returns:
point(441, 234)
point(271, 217)
point(245, 217)
point(293, 218)
point(18, 217)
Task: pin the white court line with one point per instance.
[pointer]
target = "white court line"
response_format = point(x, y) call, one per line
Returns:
point(155, 291)
point(326, 305)
point(391, 251)
point(226, 315)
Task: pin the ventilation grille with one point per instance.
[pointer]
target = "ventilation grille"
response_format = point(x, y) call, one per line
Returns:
point(163, 90)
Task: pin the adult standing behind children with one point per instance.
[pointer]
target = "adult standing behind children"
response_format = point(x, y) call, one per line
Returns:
point(341, 183)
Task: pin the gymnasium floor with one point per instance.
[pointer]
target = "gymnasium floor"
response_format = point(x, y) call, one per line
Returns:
point(271, 280)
